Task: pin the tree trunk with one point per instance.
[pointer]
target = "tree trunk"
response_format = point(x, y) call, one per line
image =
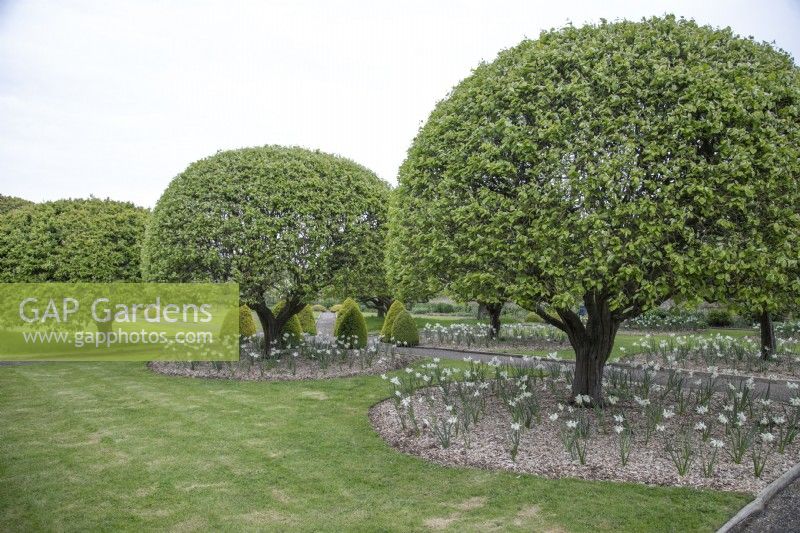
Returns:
point(494, 311)
point(267, 319)
point(590, 361)
point(272, 324)
point(381, 304)
point(768, 344)
point(592, 343)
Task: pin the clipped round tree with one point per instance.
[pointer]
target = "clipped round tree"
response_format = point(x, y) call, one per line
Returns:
point(282, 222)
point(609, 166)
point(72, 241)
point(307, 322)
point(351, 330)
point(386, 330)
point(9, 203)
point(404, 330)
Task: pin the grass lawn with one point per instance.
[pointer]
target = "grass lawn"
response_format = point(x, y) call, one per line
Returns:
point(88, 446)
point(374, 323)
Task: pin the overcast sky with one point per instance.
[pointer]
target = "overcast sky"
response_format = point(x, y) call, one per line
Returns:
point(114, 98)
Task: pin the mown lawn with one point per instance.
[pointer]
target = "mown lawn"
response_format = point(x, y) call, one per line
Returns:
point(374, 323)
point(91, 446)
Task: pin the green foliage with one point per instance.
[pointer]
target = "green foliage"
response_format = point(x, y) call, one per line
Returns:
point(674, 319)
point(345, 305)
point(307, 321)
point(616, 165)
point(247, 326)
point(436, 307)
point(533, 318)
point(404, 330)
point(351, 329)
point(282, 222)
point(9, 203)
point(292, 332)
point(336, 308)
point(319, 308)
point(395, 309)
point(72, 240)
point(719, 318)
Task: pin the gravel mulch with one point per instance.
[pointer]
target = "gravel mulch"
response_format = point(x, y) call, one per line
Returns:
point(304, 370)
point(777, 371)
point(541, 451)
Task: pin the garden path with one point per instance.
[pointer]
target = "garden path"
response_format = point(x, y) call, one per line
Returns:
point(781, 515)
point(325, 324)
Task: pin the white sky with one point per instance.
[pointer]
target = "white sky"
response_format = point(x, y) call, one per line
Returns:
point(115, 98)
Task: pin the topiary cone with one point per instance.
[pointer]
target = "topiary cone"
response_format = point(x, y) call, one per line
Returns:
point(404, 330)
point(386, 330)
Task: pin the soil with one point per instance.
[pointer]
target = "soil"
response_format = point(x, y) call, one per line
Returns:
point(541, 451)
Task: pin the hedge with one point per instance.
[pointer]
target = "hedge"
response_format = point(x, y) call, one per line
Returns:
point(404, 330)
point(386, 330)
point(307, 322)
point(351, 330)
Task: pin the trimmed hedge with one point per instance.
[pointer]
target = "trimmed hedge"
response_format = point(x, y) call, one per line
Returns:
point(351, 328)
point(9, 203)
point(319, 308)
point(386, 330)
point(336, 308)
point(349, 302)
point(292, 332)
point(533, 317)
point(72, 241)
point(307, 322)
point(719, 318)
point(247, 326)
point(404, 330)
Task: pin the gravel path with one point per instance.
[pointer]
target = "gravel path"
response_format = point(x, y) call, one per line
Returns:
point(782, 514)
point(325, 324)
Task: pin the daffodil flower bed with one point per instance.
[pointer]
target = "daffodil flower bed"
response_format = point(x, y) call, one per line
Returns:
point(313, 358)
point(523, 419)
point(719, 354)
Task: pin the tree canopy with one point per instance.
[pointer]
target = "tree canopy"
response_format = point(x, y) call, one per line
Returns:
point(72, 241)
point(9, 203)
point(613, 165)
point(282, 222)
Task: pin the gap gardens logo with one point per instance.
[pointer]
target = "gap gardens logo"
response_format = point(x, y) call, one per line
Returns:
point(119, 321)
